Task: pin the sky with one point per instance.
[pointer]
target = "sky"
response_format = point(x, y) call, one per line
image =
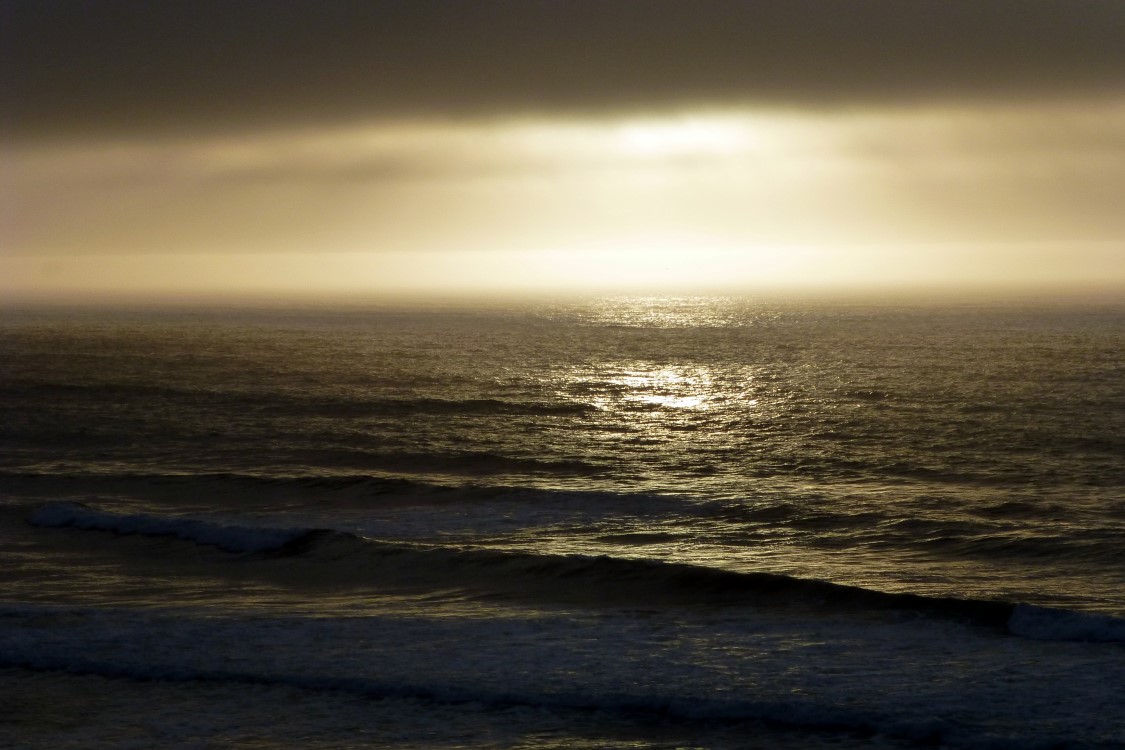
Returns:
point(344, 148)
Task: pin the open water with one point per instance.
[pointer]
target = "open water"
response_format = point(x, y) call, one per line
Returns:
point(636, 522)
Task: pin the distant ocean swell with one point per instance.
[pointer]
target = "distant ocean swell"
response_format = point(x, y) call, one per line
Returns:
point(994, 531)
point(355, 489)
point(282, 403)
point(447, 463)
point(589, 579)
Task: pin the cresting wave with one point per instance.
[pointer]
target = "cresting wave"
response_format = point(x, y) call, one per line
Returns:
point(992, 532)
point(502, 574)
point(231, 538)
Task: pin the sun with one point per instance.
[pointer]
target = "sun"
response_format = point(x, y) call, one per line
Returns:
point(670, 138)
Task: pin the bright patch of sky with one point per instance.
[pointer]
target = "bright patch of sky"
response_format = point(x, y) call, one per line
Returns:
point(706, 199)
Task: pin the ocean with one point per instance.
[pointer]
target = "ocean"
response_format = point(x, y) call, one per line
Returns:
point(635, 522)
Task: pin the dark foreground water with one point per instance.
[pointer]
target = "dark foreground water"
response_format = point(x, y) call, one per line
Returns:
point(644, 523)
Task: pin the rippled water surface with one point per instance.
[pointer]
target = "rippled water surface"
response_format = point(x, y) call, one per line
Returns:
point(654, 492)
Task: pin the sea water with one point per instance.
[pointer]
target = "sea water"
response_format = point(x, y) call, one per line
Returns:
point(630, 522)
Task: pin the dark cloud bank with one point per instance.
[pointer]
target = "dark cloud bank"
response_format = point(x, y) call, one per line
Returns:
point(132, 66)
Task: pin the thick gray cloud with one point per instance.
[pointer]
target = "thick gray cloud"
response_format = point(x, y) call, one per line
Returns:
point(125, 67)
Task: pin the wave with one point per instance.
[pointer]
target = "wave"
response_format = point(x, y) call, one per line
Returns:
point(1106, 550)
point(463, 463)
point(240, 488)
point(1053, 624)
point(458, 406)
point(474, 491)
point(246, 483)
point(232, 538)
point(291, 404)
point(454, 463)
point(590, 580)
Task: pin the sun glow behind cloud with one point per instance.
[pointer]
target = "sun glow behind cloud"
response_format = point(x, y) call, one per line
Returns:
point(700, 200)
point(680, 137)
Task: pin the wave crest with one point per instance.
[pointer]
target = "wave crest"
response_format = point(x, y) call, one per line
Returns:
point(592, 580)
point(232, 538)
point(1052, 624)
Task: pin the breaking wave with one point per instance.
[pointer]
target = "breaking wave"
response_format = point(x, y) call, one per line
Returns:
point(232, 538)
point(593, 580)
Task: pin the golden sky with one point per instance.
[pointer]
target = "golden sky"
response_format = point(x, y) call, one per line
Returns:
point(375, 148)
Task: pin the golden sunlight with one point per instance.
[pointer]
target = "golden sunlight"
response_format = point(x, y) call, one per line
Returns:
point(683, 387)
point(681, 137)
point(704, 201)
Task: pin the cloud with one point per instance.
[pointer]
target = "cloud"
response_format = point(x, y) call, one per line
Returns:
point(123, 67)
point(890, 175)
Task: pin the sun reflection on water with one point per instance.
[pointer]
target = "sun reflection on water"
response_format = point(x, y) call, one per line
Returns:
point(712, 311)
point(668, 387)
point(671, 402)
